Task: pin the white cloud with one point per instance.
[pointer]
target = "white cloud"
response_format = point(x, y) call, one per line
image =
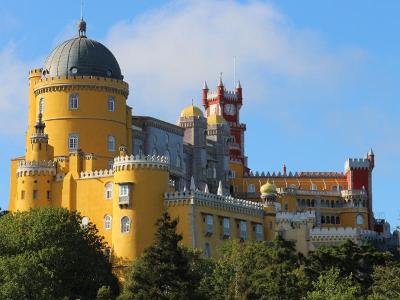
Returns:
point(166, 54)
point(13, 92)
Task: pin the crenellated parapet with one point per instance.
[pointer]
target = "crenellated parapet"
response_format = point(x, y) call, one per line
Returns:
point(342, 234)
point(300, 217)
point(357, 163)
point(96, 174)
point(30, 168)
point(211, 200)
point(129, 162)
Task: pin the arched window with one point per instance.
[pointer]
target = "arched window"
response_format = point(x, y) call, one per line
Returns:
point(154, 152)
point(308, 203)
point(108, 191)
point(125, 224)
point(337, 220)
point(111, 104)
point(111, 143)
point(332, 219)
point(313, 187)
point(107, 222)
point(360, 219)
point(73, 101)
point(167, 155)
point(322, 203)
point(85, 222)
point(322, 219)
point(327, 220)
point(41, 105)
point(73, 141)
point(166, 138)
point(312, 203)
point(303, 202)
point(207, 250)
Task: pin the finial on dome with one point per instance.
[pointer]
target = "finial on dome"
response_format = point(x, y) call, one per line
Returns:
point(82, 24)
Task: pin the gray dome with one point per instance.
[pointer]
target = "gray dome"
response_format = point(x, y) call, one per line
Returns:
point(81, 56)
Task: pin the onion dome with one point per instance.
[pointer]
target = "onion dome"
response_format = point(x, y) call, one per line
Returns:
point(81, 56)
point(268, 189)
point(215, 120)
point(191, 111)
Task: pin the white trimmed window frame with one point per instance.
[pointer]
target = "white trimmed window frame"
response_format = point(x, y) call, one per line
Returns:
point(73, 103)
point(125, 224)
point(111, 104)
point(107, 222)
point(73, 141)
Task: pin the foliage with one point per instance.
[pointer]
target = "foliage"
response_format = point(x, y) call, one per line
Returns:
point(166, 270)
point(105, 293)
point(45, 253)
point(349, 259)
point(386, 282)
point(331, 286)
point(257, 270)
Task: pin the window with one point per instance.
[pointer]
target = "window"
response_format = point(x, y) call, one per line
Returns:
point(251, 188)
point(167, 155)
point(22, 195)
point(35, 194)
point(207, 250)
point(166, 138)
point(111, 104)
point(85, 222)
point(48, 194)
point(178, 161)
point(322, 219)
point(41, 105)
point(108, 191)
point(259, 232)
point(73, 101)
point(337, 220)
point(226, 224)
point(286, 207)
point(125, 224)
point(110, 163)
point(124, 194)
point(327, 220)
point(111, 143)
point(209, 223)
point(243, 230)
point(73, 141)
point(332, 220)
point(360, 219)
point(107, 222)
point(231, 174)
point(313, 187)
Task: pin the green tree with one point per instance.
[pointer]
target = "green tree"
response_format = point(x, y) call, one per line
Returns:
point(331, 286)
point(258, 270)
point(45, 253)
point(386, 285)
point(166, 270)
point(105, 293)
point(349, 259)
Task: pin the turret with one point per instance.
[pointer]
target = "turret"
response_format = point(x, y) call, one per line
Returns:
point(371, 158)
point(39, 149)
point(204, 94)
point(34, 76)
point(269, 199)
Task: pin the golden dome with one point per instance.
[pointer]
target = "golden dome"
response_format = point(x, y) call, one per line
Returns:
point(215, 119)
point(268, 188)
point(191, 111)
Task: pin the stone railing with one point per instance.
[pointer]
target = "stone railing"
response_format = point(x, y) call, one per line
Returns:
point(354, 193)
point(207, 199)
point(295, 217)
point(96, 174)
point(343, 233)
point(295, 191)
point(28, 168)
point(129, 162)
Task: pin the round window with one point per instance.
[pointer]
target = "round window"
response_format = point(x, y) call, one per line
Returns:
point(109, 73)
point(74, 70)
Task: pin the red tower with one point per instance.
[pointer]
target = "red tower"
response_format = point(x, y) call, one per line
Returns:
point(228, 104)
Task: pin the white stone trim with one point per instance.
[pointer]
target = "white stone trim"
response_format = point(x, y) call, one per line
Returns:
point(140, 161)
point(29, 168)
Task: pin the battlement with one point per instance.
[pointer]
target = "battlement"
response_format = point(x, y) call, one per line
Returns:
point(282, 217)
point(96, 174)
point(229, 95)
point(207, 199)
point(357, 163)
point(35, 72)
point(297, 174)
point(342, 234)
point(30, 168)
point(129, 162)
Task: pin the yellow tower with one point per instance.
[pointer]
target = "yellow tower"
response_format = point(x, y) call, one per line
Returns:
point(268, 196)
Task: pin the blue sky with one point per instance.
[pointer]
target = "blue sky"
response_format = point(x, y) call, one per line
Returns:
point(320, 78)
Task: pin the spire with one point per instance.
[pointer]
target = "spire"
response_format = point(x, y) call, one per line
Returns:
point(206, 190)
point(205, 86)
point(192, 184)
point(238, 85)
point(370, 152)
point(220, 191)
point(220, 83)
point(40, 126)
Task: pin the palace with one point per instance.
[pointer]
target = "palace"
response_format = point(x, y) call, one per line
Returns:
point(86, 152)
